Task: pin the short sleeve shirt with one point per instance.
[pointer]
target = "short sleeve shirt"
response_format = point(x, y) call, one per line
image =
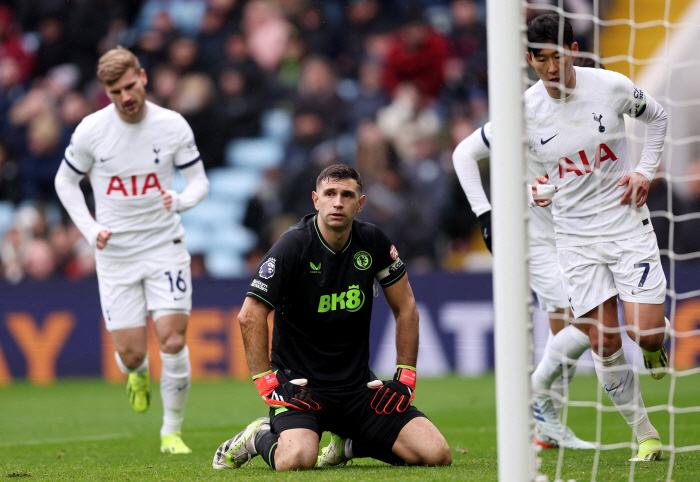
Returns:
point(323, 300)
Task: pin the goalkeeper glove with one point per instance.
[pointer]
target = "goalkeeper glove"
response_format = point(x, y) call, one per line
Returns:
point(485, 225)
point(289, 395)
point(396, 394)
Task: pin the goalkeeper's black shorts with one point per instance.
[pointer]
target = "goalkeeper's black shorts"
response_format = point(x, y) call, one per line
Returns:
point(348, 415)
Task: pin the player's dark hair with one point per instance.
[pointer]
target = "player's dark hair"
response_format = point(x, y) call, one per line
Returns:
point(545, 29)
point(587, 62)
point(338, 172)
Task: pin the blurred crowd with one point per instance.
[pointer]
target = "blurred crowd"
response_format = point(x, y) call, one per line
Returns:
point(389, 87)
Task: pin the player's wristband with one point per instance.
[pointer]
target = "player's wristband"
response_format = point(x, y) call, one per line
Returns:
point(406, 375)
point(266, 382)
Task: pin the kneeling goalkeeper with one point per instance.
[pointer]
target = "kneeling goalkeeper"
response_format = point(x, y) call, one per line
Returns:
point(319, 278)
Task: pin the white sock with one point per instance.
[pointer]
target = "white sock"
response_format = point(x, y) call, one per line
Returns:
point(667, 333)
point(569, 344)
point(174, 387)
point(622, 386)
point(143, 368)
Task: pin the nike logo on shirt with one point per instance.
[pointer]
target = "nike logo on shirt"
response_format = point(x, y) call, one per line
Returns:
point(105, 159)
point(544, 142)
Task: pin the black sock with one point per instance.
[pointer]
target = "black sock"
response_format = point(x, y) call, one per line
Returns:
point(387, 456)
point(266, 445)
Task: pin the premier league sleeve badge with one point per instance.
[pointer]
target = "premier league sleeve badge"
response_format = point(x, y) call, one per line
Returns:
point(267, 269)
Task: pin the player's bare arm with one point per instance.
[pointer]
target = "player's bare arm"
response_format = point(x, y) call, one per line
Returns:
point(253, 321)
point(637, 188)
point(403, 305)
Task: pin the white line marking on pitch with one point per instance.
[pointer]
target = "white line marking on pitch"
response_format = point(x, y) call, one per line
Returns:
point(68, 440)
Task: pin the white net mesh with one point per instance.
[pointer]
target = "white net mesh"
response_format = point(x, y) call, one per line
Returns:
point(655, 44)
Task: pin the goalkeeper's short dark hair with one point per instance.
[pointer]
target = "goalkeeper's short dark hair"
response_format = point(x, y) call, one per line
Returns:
point(546, 28)
point(338, 172)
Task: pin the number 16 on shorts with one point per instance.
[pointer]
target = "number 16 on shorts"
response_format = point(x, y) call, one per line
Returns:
point(178, 286)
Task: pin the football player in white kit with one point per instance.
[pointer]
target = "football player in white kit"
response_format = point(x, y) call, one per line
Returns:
point(130, 150)
point(605, 242)
point(545, 280)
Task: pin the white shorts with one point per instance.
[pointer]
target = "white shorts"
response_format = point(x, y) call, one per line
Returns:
point(545, 278)
point(132, 289)
point(630, 268)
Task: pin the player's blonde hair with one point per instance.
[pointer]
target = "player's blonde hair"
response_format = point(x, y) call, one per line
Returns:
point(114, 63)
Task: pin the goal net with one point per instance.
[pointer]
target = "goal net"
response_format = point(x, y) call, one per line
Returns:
point(654, 43)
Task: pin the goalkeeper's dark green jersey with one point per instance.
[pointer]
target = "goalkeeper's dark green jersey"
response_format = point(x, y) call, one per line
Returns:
point(323, 300)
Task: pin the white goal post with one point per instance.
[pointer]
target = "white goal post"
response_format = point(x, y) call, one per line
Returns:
point(511, 293)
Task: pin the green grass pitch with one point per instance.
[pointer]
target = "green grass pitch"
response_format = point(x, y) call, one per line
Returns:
point(86, 430)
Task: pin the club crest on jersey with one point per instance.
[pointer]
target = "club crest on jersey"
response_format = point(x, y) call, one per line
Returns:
point(601, 128)
point(156, 150)
point(267, 270)
point(362, 260)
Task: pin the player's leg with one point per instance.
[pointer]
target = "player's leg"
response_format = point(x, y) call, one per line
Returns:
point(421, 443)
point(565, 344)
point(175, 378)
point(286, 441)
point(168, 289)
point(641, 282)
point(398, 438)
point(297, 449)
point(616, 375)
point(550, 386)
point(124, 311)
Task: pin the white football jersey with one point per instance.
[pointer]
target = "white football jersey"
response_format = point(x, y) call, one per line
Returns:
point(127, 165)
point(476, 147)
point(579, 142)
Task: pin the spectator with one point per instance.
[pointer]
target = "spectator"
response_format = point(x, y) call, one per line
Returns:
point(238, 105)
point(316, 91)
point(370, 97)
point(416, 54)
point(212, 36)
point(53, 46)
point(10, 189)
point(193, 99)
point(11, 44)
point(44, 155)
point(267, 32)
point(405, 120)
point(687, 230)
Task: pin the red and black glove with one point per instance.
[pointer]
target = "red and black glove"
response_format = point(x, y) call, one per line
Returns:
point(396, 394)
point(289, 395)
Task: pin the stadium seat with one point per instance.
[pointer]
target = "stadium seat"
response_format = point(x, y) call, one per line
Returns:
point(210, 214)
point(233, 238)
point(230, 184)
point(224, 264)
point(277, 124)
point(259, 153)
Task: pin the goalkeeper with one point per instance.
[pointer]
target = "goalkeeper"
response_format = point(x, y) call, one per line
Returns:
point(319, 278)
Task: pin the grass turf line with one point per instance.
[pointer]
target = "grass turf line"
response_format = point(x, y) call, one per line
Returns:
point(86, 430)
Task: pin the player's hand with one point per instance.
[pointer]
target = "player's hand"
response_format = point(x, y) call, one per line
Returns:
point(485, 225)
point(289, 395)
point(637, 188)
point(396, 394)
point(167, 199)
point(541, 200)
point(102, 238)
